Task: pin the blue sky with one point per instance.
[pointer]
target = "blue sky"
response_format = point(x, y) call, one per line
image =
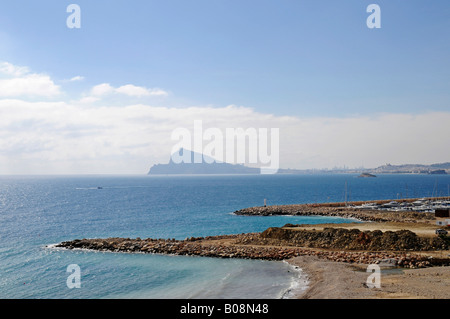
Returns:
point(283, 57)
point(300, 59)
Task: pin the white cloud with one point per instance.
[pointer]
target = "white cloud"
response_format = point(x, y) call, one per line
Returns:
point(128, 89)
point(88, 100)
point(20, 82)
point(102, 89)
point(132, 90)
point(76, 78)
point(29, 85)
point(158, 92)
point(10, 69)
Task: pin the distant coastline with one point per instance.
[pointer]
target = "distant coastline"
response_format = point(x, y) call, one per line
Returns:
point(432, 169)
point(208, 165)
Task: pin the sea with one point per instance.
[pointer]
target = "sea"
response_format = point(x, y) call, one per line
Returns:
point(37, 212)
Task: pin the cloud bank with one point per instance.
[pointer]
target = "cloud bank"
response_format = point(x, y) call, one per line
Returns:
point(88, 136)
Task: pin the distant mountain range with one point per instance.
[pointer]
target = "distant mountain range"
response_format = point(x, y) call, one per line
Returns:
point(209, 166)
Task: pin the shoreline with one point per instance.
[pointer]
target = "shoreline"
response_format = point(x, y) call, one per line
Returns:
point(328, 279)
point(300, 283)
point(329, 274)
point(338, 280)
point(333, 258)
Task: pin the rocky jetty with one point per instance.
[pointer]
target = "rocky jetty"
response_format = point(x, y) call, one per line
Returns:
point(335, 211)
point(249, 246)
point(207, 247)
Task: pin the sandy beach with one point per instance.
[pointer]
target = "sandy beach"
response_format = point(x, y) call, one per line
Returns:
point(339, 280)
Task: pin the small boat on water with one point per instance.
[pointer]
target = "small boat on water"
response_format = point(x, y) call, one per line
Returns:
point(367, 175)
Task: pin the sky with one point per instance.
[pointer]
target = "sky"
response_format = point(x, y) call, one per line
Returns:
point(105, 98)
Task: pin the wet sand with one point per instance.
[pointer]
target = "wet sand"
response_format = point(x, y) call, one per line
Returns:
point(338, 280)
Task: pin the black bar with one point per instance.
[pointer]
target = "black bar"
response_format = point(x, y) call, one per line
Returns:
point(223, 308)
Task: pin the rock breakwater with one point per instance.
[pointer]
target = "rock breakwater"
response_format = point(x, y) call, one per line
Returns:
point(248, 246)
point(345, 212)
point(199, 246)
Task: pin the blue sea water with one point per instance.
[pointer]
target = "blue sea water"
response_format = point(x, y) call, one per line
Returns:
point(38, 211)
